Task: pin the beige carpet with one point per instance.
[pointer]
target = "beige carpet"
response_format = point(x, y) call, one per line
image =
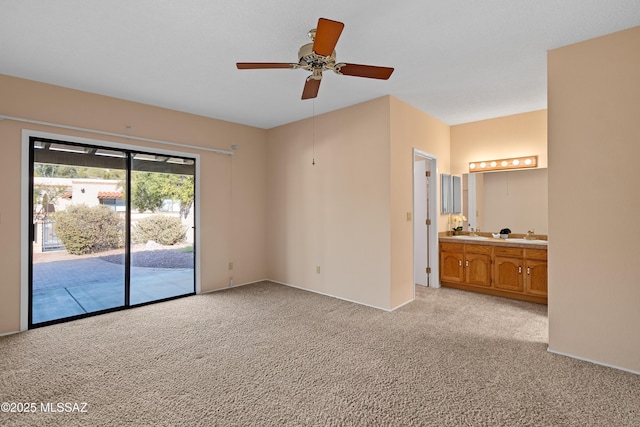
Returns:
point(266, 354)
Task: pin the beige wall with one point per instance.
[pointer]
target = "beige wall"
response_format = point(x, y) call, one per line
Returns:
point(233, 219)
point(594, 146)
point(511, 136)
point(335, 214)
point(410, 128)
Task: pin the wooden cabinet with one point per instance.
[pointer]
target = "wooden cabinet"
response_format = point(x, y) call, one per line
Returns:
point(511, 272)
point(509, 268)
point(477, 265)
point(461, 263)
point(451, 262)
point(536, 272)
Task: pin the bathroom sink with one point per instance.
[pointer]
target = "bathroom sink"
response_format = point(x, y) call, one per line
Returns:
point(470, 237)
point(537, 242)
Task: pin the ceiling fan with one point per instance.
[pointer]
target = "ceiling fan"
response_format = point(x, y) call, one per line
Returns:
point(320, 56)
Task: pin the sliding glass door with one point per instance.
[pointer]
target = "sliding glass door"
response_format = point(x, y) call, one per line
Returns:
point(112, 228)
point(162, 225)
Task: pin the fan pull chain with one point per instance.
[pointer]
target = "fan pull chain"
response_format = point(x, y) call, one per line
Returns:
point(313, 133)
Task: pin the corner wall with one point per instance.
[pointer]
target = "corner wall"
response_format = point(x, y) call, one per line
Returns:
point(232, 194)
point(594, 147)
point(334, 214)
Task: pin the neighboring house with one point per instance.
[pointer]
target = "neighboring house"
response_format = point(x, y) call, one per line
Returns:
point(63, 192)
point(113, 199)
point(91, 192)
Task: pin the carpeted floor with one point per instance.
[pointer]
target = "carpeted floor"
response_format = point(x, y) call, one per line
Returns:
point(266, 354)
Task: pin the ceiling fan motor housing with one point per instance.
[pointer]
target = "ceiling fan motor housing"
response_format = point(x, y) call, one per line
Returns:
point(308, 59)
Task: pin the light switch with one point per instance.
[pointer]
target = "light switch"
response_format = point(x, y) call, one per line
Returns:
point(409, 216)
point(230, 266)
point(318, 269)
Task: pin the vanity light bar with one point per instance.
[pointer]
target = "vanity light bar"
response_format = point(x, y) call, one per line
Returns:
point(504, 164)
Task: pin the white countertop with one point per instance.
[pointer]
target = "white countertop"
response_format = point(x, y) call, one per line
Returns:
point(480, 240)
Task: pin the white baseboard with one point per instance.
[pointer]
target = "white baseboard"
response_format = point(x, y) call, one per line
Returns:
point(235, 286)
point(10, 333)
point(315, 292)
point(329, 295)
point(595, 362)
point(403, 304)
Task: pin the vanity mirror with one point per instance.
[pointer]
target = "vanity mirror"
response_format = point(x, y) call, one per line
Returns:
point(516, 199)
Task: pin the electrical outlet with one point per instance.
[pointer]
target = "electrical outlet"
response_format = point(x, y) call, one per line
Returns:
point(318, 270)
point(230, 266)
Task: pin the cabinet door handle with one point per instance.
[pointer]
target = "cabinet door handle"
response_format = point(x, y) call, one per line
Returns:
point(528, 271)
point(519, 269)
point(466, 263)
point(459, 263)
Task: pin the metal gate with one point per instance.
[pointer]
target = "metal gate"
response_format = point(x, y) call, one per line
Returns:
point(50, 242)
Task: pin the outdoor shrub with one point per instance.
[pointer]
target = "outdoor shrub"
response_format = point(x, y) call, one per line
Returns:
point(85, 229)
point(165, 230)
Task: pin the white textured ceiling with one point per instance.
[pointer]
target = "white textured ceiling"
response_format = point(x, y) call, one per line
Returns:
point(457, 60)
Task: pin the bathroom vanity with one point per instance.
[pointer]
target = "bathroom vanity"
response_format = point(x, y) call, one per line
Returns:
point(510, 268)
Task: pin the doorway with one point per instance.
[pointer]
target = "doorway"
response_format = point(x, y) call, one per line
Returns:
point(425, 214)
point(111, 228)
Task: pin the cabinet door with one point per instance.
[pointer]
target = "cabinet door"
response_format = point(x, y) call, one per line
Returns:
point(508, 274)
point(451, 269)
point(536, 282)
point(478, 269)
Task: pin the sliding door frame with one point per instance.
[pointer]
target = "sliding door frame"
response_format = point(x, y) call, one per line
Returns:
point(26, 214)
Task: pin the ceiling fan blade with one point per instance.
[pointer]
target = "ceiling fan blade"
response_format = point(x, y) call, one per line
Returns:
point(262, 65)
point(368, 71)
point(311, 88)
point(327, 35)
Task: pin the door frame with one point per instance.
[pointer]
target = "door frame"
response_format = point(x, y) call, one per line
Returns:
point(432, 244)
point(25, 245)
